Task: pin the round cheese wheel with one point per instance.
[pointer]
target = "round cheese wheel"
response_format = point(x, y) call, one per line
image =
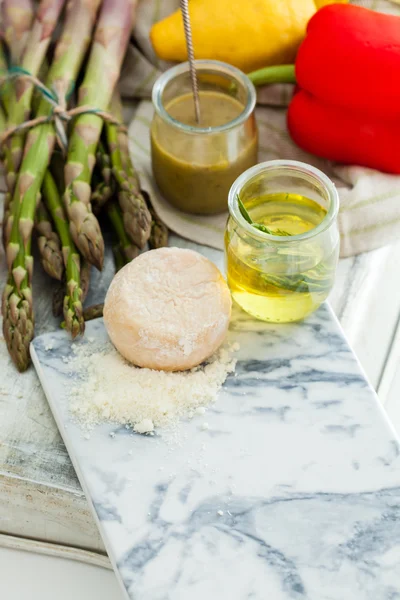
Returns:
point(168, 309)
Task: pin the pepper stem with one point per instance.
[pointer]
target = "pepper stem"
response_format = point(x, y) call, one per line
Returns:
point(276, 74)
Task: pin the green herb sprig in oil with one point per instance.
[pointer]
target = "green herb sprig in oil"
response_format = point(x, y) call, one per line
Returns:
point(258, 226)
point(318, 279)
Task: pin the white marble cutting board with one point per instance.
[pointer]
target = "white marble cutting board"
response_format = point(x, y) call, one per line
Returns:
point(292, 493)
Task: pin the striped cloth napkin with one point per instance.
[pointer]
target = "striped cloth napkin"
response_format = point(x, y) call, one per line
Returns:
point(369, 200)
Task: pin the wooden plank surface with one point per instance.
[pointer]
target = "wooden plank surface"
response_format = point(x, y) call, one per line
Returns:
point(40, 496)
point(366, 299)
point(389, 385)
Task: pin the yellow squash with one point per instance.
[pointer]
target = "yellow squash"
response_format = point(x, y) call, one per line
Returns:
point(248, 34)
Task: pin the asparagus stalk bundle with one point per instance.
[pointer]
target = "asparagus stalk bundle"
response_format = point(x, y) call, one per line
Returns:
point(18, 320)
point(107, 52)
point(53, 190)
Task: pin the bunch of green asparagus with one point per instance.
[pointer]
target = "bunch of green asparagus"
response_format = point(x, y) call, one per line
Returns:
point(68, 165)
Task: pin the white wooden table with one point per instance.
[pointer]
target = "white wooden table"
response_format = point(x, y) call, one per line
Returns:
point(46, 578)
point(40, 497)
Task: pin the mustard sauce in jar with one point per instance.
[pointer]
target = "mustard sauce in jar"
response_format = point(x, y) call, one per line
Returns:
point(195, 165)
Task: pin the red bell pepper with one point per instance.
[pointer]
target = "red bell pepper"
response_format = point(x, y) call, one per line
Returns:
point(347, 104)
point(342, 136)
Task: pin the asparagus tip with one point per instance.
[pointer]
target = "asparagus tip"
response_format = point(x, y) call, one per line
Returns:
point(90, 241)
point(17, 327)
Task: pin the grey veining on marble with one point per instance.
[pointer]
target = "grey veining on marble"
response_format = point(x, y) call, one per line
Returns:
point(293, 493)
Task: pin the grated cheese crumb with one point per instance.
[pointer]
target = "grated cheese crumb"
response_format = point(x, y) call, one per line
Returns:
point(112, 390)
point(145, 426)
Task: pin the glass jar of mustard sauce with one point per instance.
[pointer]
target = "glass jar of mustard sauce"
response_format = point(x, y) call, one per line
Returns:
point(194, 165)
point(282, 240)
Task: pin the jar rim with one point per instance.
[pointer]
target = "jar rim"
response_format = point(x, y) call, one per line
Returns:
point(301, 169)
point(207, 66)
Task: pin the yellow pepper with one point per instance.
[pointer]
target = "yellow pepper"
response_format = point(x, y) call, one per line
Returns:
point(321, 3)
point(248, 34)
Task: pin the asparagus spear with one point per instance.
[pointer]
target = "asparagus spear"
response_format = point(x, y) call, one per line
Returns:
point(17, 298)
point(159, 231)
point(6, 86)
point(108, 49)
point(119, 259)
point(37, 93)
point(59, 290)
point(16, 17)
point(93, 312)
point(105, 187)
point(3, 60)
point(128, 250)
point(58, 299)
point(57, 172)
point(72, 305)
point(20, 94)
point(85, 277)
point(49, 244)
point(137, 219)
point(3, 120)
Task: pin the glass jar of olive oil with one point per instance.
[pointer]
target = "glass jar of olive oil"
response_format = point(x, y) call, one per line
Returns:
point(282, 240)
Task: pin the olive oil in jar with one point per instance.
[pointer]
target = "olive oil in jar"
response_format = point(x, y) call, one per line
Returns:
point(284, 280)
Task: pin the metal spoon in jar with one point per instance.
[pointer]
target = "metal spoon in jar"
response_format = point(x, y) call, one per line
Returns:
point(192, 68)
